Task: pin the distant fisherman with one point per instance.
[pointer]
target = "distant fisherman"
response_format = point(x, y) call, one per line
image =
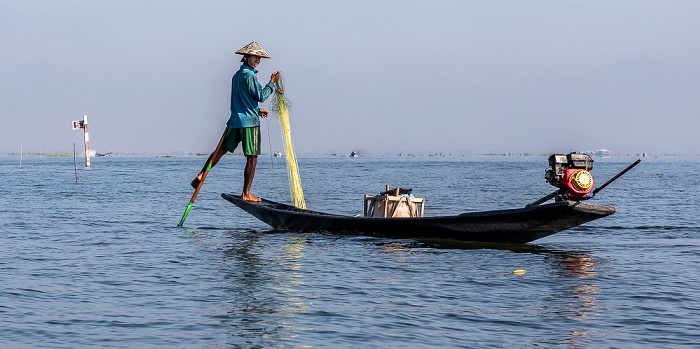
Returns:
point(244, 124)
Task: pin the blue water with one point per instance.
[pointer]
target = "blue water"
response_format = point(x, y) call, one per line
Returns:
point(102, 264)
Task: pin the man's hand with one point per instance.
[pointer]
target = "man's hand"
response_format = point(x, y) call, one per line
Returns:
point(275, 77)
point(262, 113)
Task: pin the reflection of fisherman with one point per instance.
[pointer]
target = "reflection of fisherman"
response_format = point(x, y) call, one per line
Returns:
point(244, 125)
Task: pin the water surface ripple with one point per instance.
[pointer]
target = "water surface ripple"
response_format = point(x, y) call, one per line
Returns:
point(101, 264)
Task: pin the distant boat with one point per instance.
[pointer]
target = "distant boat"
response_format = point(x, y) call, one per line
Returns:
point(604, 153)
point(104, 154)
point(278, 154)
point(353, 154)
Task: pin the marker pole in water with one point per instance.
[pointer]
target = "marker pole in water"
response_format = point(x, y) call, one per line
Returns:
point(20, 156)
point(204, 175)
point(75, 165)
point(87, 142)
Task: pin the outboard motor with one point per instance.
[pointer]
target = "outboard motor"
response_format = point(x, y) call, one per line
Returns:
point(571, 174)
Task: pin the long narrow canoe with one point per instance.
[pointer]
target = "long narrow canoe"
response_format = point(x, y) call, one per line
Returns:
point(512, 225)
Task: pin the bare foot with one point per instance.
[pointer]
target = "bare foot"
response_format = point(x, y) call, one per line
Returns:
point(251, 198)
point(195, 182)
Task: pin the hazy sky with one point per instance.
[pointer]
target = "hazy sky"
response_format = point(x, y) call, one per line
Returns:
point(391, 76)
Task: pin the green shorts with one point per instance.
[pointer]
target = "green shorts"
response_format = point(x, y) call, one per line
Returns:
point(249, 136)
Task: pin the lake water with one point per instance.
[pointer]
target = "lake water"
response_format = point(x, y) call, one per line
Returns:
point(102, 264)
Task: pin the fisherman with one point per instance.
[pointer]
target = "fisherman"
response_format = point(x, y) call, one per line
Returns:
point(244, 124)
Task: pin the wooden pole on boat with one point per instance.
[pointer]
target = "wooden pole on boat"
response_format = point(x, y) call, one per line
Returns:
point(543, 200)
point(616, 177)
point(204, 175)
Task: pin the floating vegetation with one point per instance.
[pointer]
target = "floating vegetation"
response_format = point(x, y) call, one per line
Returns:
point(281, 105)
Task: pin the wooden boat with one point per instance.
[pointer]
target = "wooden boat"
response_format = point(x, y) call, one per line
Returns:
point(513, 225)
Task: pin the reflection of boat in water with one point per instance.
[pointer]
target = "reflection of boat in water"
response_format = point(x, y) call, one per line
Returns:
point(512, 225)
point(353, 154)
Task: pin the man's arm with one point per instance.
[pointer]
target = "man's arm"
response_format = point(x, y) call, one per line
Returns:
point(256, 91)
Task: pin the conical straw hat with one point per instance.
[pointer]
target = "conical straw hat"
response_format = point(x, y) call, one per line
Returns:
point(253, 49)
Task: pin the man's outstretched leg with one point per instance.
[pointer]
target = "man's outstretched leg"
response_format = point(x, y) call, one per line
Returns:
point(248, 174)
point(214, 157)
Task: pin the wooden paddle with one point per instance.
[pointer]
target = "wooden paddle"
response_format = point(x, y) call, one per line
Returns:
point(204, 175)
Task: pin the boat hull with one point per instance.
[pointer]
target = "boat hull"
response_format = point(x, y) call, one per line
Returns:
point(512, 225)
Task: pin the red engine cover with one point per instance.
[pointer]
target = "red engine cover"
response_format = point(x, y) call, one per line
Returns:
point(571, 188)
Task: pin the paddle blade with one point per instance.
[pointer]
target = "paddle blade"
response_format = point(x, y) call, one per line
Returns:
point(184, 216)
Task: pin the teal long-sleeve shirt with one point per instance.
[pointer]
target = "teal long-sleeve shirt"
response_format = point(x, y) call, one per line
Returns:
point(246, 93)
